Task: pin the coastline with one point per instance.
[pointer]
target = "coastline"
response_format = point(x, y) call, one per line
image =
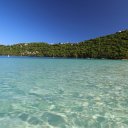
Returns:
point(47, 57)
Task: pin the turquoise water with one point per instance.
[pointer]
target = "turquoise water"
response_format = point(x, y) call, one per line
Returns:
point(63, 93)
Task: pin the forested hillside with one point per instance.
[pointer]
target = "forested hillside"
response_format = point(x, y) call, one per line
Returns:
point(114, 46)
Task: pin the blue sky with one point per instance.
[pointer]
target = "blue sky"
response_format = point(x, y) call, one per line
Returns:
point(56, 21)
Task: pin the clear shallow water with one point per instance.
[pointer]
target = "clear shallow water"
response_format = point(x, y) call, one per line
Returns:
point(63, 93)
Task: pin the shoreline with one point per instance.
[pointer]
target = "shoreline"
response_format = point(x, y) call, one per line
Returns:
point(48, 57)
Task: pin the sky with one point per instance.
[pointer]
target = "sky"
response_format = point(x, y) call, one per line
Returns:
point(55, 21)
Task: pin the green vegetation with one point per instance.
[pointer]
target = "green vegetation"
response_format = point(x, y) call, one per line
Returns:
point(114, 46)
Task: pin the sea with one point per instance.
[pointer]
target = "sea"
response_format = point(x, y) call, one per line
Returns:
point(41, 92)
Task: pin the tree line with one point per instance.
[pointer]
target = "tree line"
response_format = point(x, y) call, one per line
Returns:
point(114, 46)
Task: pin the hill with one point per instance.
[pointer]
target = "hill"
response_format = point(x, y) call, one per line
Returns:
point(113, 46)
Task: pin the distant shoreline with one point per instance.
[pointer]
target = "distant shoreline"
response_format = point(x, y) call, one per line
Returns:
point(114, 46)
point(43, 57)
